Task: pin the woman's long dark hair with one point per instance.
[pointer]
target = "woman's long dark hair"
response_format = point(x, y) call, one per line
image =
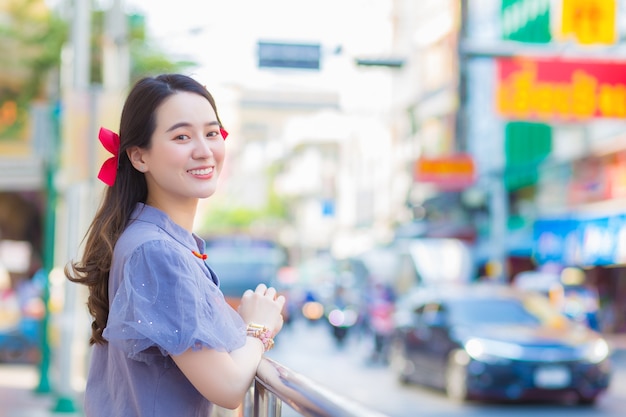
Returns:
point(137, 125)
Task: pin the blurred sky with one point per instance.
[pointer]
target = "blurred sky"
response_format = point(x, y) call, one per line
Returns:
point(222, 35)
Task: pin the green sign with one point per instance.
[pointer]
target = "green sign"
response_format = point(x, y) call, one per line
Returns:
point(526, 20)
point(526, 144)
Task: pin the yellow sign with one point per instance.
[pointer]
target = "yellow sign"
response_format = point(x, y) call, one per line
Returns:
point(589, 21)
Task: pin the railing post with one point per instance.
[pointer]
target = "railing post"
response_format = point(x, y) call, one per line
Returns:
point(266, 404)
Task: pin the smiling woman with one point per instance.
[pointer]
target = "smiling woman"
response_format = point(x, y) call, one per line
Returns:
point(160, 317)
point(186, 154)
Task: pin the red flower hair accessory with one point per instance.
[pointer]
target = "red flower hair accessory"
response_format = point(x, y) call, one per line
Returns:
point(111, 142)
point(224, 133)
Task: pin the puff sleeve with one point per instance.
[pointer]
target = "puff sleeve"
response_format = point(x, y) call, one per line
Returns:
point(166, 304)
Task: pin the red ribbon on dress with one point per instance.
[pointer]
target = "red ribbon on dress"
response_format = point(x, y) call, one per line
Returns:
point(202, 256)
point(111, 142)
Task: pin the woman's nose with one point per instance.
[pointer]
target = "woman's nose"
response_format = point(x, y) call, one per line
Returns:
point(203, 148)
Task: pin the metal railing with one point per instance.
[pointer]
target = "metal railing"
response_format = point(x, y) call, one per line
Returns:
point(276, 385)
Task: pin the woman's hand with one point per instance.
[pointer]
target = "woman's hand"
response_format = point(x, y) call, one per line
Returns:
point(263, 306)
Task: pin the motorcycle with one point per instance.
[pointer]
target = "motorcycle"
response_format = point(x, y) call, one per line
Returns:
point(341, 319)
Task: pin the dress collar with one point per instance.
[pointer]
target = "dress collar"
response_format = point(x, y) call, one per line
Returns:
point(146, 213)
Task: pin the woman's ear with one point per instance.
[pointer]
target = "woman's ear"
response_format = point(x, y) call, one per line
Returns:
point(135, 155)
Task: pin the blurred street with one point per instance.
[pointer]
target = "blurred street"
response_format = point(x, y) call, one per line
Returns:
point(309, 349)
point(18, 396)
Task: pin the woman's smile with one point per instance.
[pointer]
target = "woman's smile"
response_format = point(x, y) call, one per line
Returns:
point(202, 172)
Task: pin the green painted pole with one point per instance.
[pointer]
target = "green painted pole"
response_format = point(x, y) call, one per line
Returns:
point(51, 165)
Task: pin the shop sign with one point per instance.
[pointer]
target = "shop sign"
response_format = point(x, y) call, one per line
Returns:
point(588, 182)
point(454, 172)
point(597, 179)
point(552, 89)
point(597, 241)
point(581, 241)
point(555, 240)
point(616, 176)
point(589, 21)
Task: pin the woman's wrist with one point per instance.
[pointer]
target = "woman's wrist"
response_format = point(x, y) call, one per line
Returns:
point(262, 333)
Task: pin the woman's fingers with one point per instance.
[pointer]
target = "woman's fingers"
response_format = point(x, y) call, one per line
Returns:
point(263, 305)
point(263, 289)
point(281, 300)
point(271, 292)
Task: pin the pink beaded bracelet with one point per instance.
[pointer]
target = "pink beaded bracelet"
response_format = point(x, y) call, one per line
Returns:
point(262, 333)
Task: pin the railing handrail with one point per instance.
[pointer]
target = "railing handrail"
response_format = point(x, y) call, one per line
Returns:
point(305, 396)
point(276, 384)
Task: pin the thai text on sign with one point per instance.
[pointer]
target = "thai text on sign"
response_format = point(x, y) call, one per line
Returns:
point(558, 89)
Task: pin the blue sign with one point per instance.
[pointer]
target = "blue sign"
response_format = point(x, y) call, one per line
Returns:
point(289, 55)
point(581, 241)
point(551, 239)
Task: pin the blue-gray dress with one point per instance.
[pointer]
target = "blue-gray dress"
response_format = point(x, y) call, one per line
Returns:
point(164, 300)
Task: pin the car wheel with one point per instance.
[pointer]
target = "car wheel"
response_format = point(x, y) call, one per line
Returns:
point(398, 361)
point(456, 376)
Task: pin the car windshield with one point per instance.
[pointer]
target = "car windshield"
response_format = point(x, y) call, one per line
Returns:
point(242, 264)
point(493, 311)
point(238, 275)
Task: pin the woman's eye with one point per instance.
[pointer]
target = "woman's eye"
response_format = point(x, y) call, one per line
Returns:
point(181, 137)
point(212, 134)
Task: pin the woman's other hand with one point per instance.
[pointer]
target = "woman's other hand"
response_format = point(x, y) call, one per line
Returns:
point(263, 306)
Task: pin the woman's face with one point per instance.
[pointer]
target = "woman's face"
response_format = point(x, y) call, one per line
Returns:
point(186, 153)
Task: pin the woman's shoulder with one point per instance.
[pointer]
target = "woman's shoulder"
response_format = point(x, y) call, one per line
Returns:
point(137, 233)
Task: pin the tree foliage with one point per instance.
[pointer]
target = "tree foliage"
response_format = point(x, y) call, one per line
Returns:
point(229, 219)
point(146, 57)
point(31, 39)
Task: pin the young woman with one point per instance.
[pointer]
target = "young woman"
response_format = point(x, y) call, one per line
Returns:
point(165, 343)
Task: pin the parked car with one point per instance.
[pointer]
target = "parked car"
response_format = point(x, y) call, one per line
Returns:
point(242, 262)
point(21, 312)
point(492, 342)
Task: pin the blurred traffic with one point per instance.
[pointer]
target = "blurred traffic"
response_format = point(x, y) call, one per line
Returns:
point(494, 342)
point(428, 313)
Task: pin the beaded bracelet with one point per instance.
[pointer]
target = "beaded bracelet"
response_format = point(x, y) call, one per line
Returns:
point(262, 333)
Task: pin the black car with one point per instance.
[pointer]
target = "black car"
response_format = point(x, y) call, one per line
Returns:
point(492, 342)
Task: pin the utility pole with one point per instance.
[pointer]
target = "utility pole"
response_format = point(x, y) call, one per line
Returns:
point(493, 179)
point(78, 84)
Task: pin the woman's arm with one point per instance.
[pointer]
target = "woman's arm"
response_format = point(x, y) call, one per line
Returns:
point(222, 377)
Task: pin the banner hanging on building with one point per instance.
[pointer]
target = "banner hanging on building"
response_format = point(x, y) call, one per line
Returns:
point(553, 89)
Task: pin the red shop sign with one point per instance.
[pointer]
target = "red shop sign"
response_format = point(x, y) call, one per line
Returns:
point(454, 172)
point(554, 89)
